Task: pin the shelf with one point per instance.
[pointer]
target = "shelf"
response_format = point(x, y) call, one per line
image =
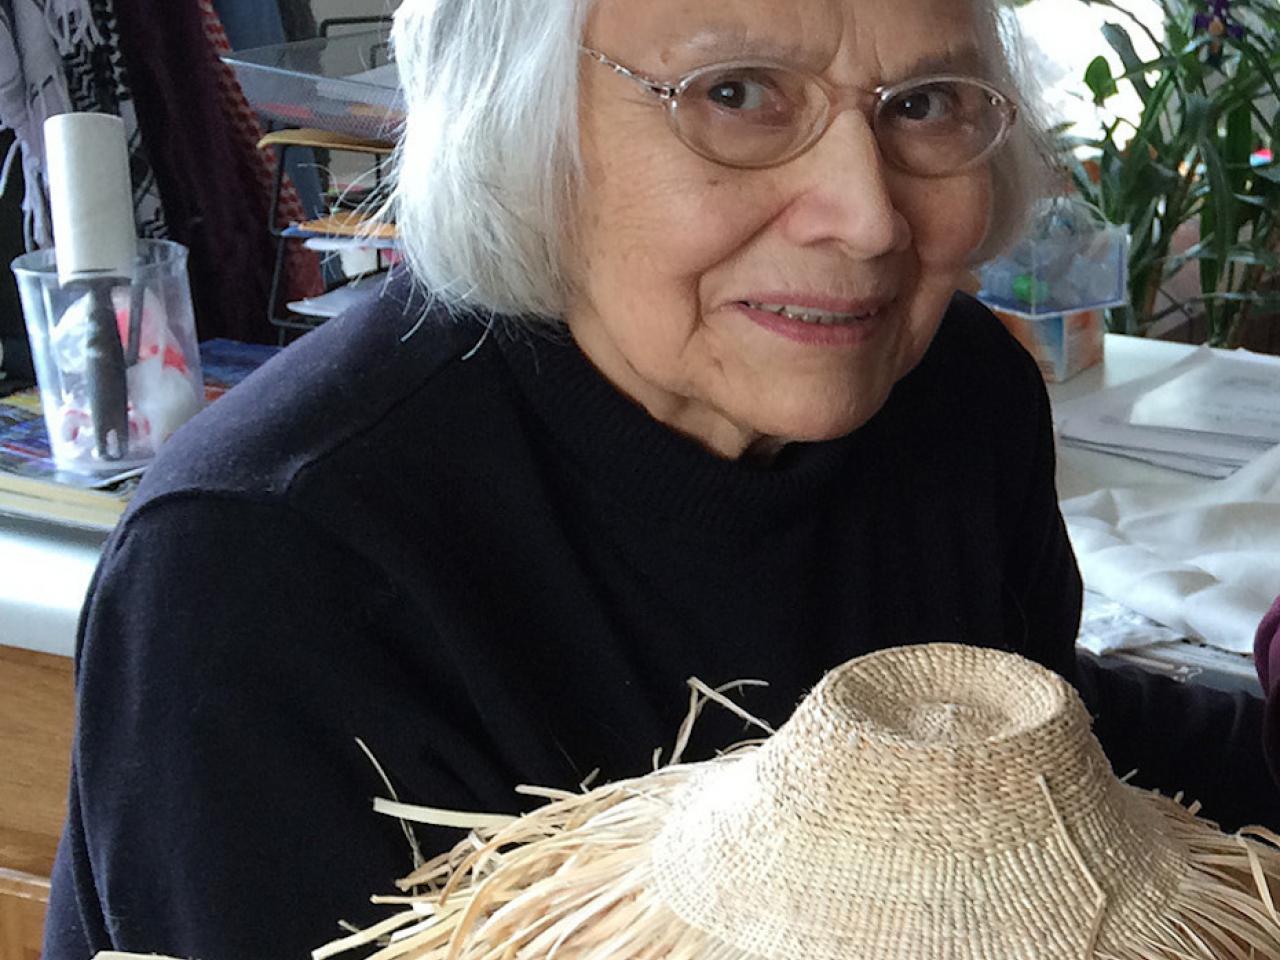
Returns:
point(325, 140)
point(342, 84)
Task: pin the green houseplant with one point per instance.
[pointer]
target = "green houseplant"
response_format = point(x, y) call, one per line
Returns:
point(1197, 153)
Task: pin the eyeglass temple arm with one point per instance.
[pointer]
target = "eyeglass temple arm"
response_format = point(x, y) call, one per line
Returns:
point(664, 91)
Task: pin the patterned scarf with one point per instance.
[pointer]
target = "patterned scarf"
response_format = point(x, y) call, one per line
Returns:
point(58, 56)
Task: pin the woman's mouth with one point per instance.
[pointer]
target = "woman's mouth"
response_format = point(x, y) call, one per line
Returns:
point(811, 314)
point(826, 324)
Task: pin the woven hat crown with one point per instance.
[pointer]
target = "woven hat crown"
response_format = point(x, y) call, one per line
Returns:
point(935, 801)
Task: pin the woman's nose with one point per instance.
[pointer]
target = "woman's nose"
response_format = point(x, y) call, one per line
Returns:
point(841, 193)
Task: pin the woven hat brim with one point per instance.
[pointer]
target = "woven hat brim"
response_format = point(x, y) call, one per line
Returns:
point(575, 880)
point(928, 802)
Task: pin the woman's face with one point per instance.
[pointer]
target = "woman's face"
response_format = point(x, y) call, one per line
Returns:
point(672, 247)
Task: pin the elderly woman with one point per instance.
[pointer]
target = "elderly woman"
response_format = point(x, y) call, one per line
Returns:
point(681, 386)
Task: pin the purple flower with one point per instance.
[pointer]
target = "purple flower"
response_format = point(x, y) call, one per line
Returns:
point(1217, 20)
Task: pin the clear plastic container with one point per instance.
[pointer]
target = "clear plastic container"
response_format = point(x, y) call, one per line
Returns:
point(117, 361)
point(1052, 288)
point(345, 84)
point(1069, 259)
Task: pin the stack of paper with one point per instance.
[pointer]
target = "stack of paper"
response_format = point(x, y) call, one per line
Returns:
point(1208, 414)
point(342, 298)
point(344, 230)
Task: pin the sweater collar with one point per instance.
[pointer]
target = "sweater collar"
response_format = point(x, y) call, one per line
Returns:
point(646, 466)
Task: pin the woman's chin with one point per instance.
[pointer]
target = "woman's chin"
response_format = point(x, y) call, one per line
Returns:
point(816, 422)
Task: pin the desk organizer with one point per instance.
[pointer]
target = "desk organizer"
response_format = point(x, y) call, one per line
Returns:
point(345, 84)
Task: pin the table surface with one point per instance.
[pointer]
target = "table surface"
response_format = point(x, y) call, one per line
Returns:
point(47, 565)
point(1127, 358)
point(1083, 471)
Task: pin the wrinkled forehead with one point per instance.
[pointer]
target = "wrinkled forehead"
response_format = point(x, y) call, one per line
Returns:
point(856, 41)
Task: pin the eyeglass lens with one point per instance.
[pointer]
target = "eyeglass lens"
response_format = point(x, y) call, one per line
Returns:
point(754, 116)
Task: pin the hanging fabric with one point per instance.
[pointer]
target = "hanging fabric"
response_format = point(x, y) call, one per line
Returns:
point(302, 267)
point(210, 175)
point(97, 83)
point(250, 24)
point(298, 19)
point(58, 56)
point(32, 87)
point(71, 22)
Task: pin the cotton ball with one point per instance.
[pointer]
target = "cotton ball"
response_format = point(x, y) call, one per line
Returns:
point(162, 399)
point(70, 334)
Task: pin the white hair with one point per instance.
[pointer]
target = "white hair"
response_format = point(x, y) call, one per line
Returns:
point(485, 173)
point(1023, 170)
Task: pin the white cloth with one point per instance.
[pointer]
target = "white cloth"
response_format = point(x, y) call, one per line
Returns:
point(33, 86)
point(1203, 560)
point(1109, 627)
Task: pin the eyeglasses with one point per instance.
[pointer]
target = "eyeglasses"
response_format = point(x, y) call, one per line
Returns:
point(753, 114)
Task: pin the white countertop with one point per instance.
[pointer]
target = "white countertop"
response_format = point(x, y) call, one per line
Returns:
point(1083, 471)
point(45, 567)
point(1126, 358)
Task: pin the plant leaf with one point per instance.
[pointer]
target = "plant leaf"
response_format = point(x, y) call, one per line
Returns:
point(1097, 76)
point(1266, 259)
point(1243, 254)
point(1135, 69)
point(1262, 63)
point(1238, 145)
point(1196, 115)
point(1250, 200)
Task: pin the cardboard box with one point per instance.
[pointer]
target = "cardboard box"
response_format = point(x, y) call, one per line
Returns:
point(1062, 344)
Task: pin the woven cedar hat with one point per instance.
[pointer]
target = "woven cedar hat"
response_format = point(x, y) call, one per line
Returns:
point(934, 802)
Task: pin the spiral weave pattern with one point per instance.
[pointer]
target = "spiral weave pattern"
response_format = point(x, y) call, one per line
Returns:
point(922, 802)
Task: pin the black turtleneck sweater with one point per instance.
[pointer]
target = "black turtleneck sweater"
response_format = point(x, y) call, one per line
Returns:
point(473, 554)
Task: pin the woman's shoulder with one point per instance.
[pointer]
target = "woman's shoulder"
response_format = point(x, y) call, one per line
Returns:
point(329, 391)
point(976, 369)
point(971, 340)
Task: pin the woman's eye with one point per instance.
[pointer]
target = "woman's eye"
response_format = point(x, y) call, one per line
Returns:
point(750, 93)
point(930, 104)
point(738, 94)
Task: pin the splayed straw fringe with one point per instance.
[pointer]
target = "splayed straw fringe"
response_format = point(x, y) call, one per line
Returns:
point(573, 879)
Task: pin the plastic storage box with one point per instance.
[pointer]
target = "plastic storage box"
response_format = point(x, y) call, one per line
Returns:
point(1052, 288)
point(344, 83)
